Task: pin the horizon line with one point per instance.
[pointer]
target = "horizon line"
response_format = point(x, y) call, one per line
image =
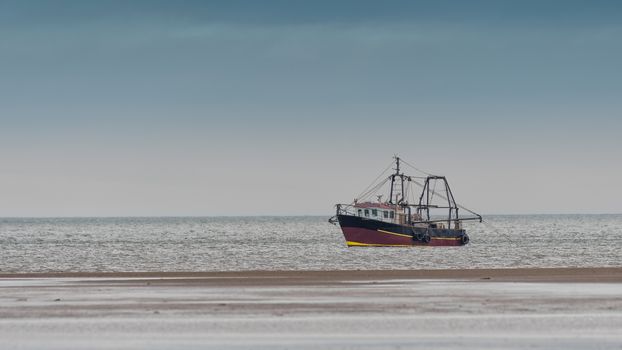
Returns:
point(262, 215)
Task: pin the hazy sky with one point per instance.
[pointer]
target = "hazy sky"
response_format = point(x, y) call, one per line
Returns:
point(122, 108)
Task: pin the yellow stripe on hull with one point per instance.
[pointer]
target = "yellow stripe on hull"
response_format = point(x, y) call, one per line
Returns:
point(359, 244)
point(395, 234)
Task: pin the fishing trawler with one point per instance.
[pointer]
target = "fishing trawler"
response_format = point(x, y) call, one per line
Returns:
point(433, 220)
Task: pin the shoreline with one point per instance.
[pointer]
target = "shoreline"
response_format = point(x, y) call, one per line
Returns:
point(263, 277)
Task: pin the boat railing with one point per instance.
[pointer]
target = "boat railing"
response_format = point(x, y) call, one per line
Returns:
point(350, 209)
point(345, 209)
point(342, 209)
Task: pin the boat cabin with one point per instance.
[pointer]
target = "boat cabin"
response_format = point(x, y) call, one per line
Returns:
point(384, 212)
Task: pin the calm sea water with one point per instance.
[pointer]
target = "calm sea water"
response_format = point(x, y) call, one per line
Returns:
point(294, 243)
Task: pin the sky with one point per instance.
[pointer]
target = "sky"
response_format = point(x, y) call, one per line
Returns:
point(209, 108)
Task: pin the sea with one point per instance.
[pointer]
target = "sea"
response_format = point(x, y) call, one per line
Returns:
point(294, 243)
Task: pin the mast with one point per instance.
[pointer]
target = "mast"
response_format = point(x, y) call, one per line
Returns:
point(401, 176)
point(402, 204)
point(397, 173)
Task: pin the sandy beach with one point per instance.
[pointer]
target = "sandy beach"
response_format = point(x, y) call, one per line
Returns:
point(499, 308)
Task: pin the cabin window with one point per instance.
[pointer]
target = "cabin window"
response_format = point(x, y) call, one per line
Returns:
point(385, 214)
point(360, 212)
point(374, 212)
point(392, 214)
point(366, 212)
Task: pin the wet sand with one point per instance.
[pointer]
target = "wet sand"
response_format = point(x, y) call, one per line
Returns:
point(494, 308)
point(598, 274)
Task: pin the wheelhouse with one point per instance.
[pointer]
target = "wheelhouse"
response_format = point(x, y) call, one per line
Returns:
point(376, 211)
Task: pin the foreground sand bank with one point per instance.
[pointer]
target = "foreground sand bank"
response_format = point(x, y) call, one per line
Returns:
point(421, 309)
point(596, 275)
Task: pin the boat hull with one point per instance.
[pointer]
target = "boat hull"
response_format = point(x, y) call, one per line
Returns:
point(360, 231)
